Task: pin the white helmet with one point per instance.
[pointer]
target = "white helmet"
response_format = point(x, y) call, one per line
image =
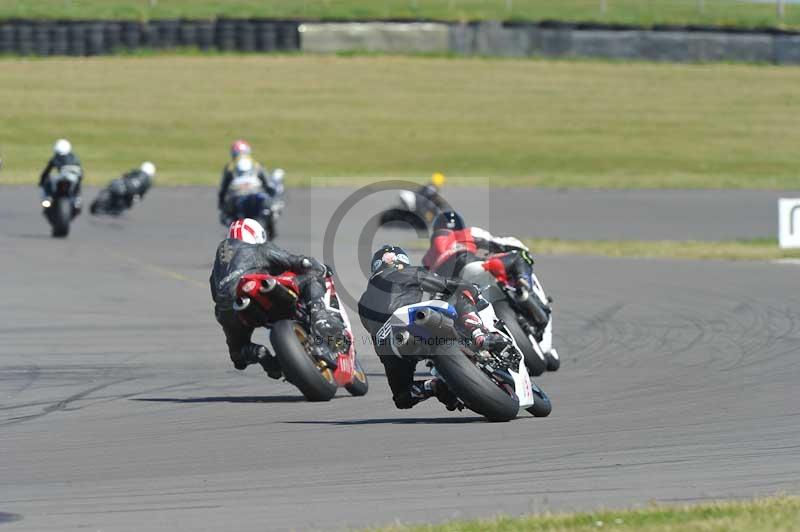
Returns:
point(247, 230)
point(62, 147)
point(149, 169)
point(244, 165)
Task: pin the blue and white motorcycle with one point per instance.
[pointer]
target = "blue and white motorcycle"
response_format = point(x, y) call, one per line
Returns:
point(496, 386)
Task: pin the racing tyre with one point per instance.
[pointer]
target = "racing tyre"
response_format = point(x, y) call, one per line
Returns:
point(60, 217)
point(292, 346)
point(553, 360)
point(360, 384)
point(536, 365)
point(541, 403)
point(399, 216)
point(475, 389)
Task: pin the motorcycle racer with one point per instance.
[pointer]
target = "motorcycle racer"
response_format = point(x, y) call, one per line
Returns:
point(131, 187)
point(246, 250)
point(395, 283)
point(63, 159)
point(453, 245)
point(246, 171)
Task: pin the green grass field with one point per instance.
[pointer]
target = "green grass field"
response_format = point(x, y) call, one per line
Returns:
point(523, 122)
point(644, 12)
point(774, 514)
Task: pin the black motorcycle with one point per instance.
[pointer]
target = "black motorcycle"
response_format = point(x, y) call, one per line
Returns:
point(119, 196)
point(417, 208)
point(60, 201)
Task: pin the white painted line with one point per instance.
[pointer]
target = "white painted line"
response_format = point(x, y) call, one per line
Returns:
point(791, 262)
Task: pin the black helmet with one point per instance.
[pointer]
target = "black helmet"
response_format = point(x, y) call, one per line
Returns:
point(389, 256)
point(448, 220)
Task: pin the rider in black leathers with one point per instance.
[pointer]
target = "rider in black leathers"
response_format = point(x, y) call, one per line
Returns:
point(235, 258)
point(395, 283)
point(123, 191)
point(63, 156)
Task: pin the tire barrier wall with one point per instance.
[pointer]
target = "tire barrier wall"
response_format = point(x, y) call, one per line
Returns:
point(676, 45)
point(554, 40)
point(79, 38)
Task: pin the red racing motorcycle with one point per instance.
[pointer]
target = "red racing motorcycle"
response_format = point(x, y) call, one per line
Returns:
point(316, 368)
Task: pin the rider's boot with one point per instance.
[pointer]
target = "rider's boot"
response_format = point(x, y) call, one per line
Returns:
point(327, 325)
point(259, 354)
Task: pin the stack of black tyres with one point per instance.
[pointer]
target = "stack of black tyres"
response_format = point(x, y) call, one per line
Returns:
point(96, 39)
point(93, 37)
point(24, 37)
point(266, 35)
point(59, 39)
point(131, 35)
point(112, 32)
point(76, 40)
point(206, 34)
point(226, 35)
point(288, 36)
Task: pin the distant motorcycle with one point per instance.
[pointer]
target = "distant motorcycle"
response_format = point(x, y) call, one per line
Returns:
point(59, 205)
point(247, 199)
point(530, 323)
point(417, 208)
point(314, 367)
point(115, 199)
point(496, 386)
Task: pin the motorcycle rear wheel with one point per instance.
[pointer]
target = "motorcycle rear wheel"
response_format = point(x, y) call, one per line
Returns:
point(292, 344)
point(475, 389)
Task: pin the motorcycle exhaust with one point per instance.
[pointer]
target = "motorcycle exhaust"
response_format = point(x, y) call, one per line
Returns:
point(433, 320)
point(241, 304)
point(536, 312)
point(267, 285)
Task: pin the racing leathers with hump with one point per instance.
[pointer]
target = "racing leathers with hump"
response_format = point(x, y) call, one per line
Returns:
point(63, 160)
point(394, 283)
point(246, 250)
point(453, 246)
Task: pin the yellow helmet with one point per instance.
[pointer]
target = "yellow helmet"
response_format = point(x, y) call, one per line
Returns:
point(438, 179)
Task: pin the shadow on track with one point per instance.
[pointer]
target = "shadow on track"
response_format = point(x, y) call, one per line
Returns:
point(241, 399)
point(397, 421)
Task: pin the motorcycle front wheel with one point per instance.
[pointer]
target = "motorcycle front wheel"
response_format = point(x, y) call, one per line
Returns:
point(60, 216)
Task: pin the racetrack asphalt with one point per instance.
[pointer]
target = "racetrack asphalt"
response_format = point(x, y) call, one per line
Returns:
point(119, 409)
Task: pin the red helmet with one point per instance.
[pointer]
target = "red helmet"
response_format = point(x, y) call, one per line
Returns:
point(240, 147)
point(247, 230)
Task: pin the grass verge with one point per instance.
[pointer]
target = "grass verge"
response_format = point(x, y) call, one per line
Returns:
point(640, 12)
point(772, 514)
point(522, 122)
point(756, 249)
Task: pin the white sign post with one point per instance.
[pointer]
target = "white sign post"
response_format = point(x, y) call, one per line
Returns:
point(789, 223)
